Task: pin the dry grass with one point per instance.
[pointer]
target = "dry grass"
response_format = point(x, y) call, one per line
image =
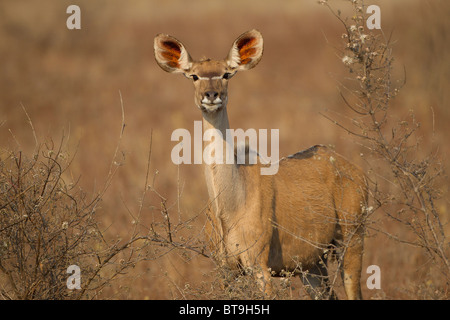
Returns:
point(69, 83)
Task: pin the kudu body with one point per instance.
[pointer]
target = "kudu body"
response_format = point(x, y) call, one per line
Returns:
point(286, 221)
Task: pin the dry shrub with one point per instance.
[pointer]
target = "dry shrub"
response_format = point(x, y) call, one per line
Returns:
point(405, 175)
point(48, 223)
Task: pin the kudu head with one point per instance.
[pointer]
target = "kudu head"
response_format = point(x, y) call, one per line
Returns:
point(210, 77)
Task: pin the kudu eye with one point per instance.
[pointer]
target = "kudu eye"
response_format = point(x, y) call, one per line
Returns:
point(226, 75)
point(194, 77)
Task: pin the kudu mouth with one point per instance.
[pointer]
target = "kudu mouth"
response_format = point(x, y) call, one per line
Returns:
point(211, 106)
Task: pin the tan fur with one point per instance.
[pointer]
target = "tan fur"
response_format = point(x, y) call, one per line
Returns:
point(286, 221)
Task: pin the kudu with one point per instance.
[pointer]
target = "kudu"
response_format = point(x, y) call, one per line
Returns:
point(286, 221)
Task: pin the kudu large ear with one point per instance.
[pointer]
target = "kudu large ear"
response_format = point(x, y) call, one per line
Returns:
point(246, 51)
point(171, 54)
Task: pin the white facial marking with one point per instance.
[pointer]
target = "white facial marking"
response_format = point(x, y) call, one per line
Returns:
point(210, 78)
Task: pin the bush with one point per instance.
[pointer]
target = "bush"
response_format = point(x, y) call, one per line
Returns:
point(47, 224)
point(405, 177)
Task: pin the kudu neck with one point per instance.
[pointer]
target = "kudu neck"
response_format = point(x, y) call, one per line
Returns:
point(224, 181)
point(216, 120)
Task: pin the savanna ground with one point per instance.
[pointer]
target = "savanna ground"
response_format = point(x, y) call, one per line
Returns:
point(74, 83)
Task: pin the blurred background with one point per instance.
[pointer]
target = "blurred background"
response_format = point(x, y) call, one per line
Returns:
point(70, 83)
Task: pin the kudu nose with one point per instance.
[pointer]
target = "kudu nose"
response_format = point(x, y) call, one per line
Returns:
point(211, 95)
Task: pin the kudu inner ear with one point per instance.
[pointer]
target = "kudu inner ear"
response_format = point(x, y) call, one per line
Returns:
point(171, 54)
point(246, 51)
